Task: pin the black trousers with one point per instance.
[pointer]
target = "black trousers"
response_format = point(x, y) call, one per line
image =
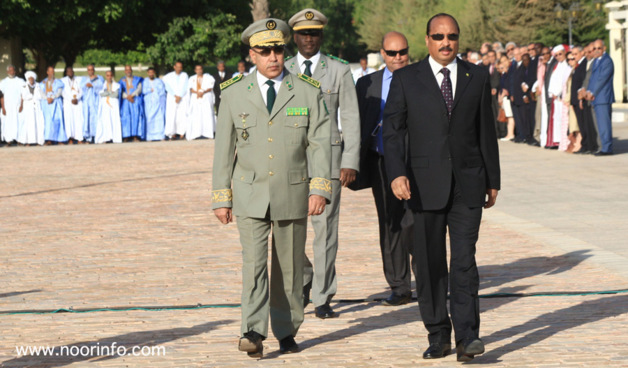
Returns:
point(432, 276)
point(587, 127)
point(395, 228)
point(524, 117)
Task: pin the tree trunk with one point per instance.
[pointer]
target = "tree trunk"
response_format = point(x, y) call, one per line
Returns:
point(259, 9)
point(41, 64)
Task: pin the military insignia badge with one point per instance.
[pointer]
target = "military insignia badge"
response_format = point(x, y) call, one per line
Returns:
point(245, 134)
point(271, 25)
point(309, 15)
point(297, 111)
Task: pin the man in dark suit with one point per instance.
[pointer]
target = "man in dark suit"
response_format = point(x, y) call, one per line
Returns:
point(495, 76)
point(522, 100)
point(395, 226)
point(577, 80)
point(443, 106)
point(221, 76)
point(600, 92)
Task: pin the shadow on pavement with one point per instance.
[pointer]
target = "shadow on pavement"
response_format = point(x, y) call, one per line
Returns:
point(497, 275)
point(128, 341)
point(14, 293)
point(546, 325)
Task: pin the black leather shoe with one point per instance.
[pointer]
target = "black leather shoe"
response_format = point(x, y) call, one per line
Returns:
point(306, 294)
point(395, 300)
point(325, 311)
point(437, 350)
point(251, 342)
point(534, 143)
point(287, 345)
point(468, 349)
point(602, 153)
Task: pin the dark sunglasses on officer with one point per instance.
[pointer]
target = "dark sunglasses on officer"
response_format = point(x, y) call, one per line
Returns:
point(265, 51)
point(440, 36)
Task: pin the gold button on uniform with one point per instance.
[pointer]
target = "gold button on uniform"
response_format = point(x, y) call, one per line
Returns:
point(270, 123)
point(296, 124)
point(337, 142)
point(271, 157)
point(270, 139)
point(271, 173)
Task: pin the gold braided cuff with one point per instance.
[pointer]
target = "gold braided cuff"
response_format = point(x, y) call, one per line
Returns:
point(221, 195)
point(321, 184)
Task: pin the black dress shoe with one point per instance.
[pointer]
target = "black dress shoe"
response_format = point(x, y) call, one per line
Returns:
point(251, 342)
point(602, 153)
point(325, 311)
point(396, 299)
point(437, 350)
point(306, 294)
point(287, 345)
point(468, 349)
point(534, 143)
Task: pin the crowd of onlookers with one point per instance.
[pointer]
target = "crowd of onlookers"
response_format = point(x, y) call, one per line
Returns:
point(554, 97)
point(93, 109)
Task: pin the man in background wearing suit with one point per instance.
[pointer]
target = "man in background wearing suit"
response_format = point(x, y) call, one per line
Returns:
point(338, 92)
point(600, 92)
point(395, 226)
point(221, 76)
point(443, 105)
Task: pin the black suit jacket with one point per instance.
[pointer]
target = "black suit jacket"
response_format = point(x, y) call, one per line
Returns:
point(577, 81)
point(464, 146)
point(369, 91)
point(219, 80)
point(549, 69)
point(522, 75)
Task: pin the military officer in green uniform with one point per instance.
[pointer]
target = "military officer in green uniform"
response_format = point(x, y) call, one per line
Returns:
point(338, 91)
point(272, 125)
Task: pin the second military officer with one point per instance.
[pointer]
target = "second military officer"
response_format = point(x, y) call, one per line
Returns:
point(272, 125)
point(338, 92)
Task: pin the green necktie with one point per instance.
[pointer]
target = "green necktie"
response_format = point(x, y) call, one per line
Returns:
point(270, 95)
point(308, 71)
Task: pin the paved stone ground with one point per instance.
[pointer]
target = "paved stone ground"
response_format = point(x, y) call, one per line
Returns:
point(130, 225)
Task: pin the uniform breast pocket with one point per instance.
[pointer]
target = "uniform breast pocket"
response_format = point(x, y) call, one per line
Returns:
point(246, 130)
point(297, 129)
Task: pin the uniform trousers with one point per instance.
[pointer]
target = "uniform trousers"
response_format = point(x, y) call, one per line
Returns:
point(284, 303)
point(322, 274)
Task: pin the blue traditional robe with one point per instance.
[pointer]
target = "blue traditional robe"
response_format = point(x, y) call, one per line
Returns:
point(155, 107)
point(90, 105)
point(54, 129)
point(132, 114)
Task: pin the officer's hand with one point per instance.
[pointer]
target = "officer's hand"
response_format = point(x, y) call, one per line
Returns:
point(492, 198)
point(224, 215)
point(347, 176)
point(316, 205)
point(401, 187)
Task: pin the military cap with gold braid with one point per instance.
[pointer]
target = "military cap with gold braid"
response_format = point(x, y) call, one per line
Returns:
point(267, 32)
point(308, 19)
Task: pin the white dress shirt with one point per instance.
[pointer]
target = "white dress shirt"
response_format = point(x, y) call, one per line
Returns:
point(314, 59)
point(453, 75)
point(263, 87)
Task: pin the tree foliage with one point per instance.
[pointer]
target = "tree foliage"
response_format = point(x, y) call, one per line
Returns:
point(194, 41)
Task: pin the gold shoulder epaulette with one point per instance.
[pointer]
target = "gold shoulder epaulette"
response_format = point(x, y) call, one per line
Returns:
point(310, 80)
point(231, 81)
point(338, 59)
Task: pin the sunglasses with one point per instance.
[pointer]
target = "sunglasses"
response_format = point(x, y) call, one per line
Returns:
point(265, 51)
point(310, 32)
point(440, 36)
point(571, 59)
point(393, 53)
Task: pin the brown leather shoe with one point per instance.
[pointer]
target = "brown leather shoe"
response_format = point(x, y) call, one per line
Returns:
point(251, 342)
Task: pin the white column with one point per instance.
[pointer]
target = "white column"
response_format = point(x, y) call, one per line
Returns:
point(617, 46)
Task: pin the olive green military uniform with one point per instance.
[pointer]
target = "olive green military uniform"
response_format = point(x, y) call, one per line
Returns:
point(338, 91)
point(261, 171)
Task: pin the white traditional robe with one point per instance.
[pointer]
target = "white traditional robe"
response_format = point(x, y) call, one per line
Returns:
point(73, 114)
point(359, 73)
point(176, 113)
point(109, 127)
point(555, 89)
point(201, 118)
point(12, 90)
point(32, 123)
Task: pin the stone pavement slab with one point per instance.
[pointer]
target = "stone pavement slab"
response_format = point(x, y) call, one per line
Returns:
point(130, 225)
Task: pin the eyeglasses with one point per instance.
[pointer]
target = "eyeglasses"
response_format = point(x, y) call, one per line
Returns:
point(597, 48)
point(571, 59)
point(310, 32)
point(440, 36)
point(393, 53)
point(265, 51)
